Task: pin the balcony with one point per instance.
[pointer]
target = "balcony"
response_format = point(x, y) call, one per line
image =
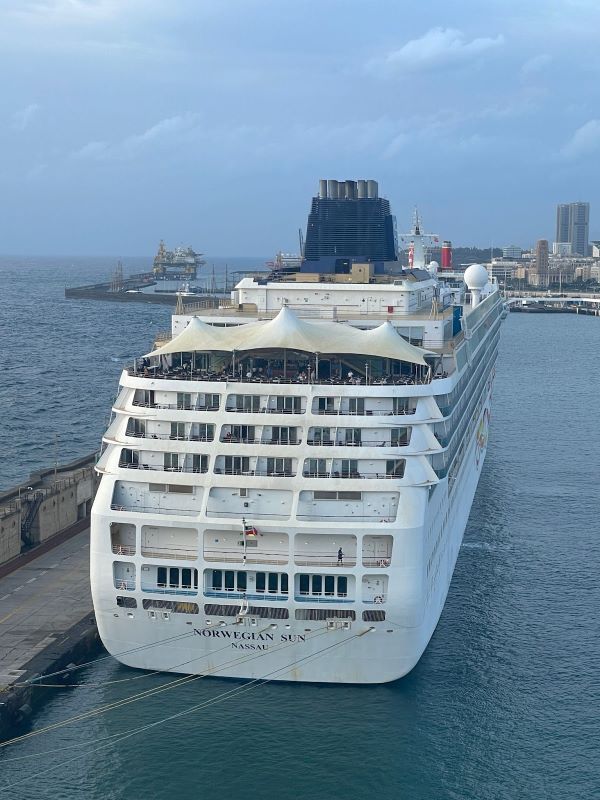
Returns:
point(163, 589)
point(321, 560)
point(170, 553)
point(134, 508)
point(236, 556)
point(162, 468)
point(237, 595)
point(354, 475)
point(302, 598)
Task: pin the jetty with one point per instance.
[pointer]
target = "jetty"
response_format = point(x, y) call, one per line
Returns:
point(46, 615)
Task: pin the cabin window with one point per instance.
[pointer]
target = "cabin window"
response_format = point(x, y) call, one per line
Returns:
point(171, 461)
point(184, 400)
point(304, 584)
point(317, 584)
point(186, 578)
point(247, 402)
point(395, 469)
point(316, 467)
point(260, 581)
point(236, 465)
point(241, 581)
point(279, 466)
point(329, 585)
point(356, 405)
point(217, 579)
point(273, 582)
point(177, 430)
point(399, 437)
point(288, 405)
point(342, 586)
point(229, 580)
point(161, 577)
point(199, 463)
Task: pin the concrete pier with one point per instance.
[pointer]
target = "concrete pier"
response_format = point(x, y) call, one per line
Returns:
point(46, 620)
point(46, 616)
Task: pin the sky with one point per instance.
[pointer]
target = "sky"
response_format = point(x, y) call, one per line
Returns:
point(210, 122)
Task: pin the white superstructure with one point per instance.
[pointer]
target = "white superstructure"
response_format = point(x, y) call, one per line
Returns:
point(287, 479)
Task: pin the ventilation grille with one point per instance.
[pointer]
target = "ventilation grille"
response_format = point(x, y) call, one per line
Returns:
point(373, 616)
point(325, 613)
point(171, 605)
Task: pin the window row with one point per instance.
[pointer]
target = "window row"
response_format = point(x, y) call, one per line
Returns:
point(263, 466)
point(275, 404)
point(269, 434)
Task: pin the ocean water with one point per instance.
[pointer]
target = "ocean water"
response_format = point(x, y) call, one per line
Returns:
point(61, 359)
point(503, 704)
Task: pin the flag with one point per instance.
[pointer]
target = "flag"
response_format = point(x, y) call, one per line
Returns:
point(250, 530)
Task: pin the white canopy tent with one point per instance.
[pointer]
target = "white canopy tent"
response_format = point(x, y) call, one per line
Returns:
point(287, 331)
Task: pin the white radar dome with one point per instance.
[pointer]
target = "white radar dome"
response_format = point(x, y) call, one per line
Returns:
point(433, 267)
point(476, 276)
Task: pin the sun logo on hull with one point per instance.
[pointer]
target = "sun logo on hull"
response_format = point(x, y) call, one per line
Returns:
point(481, 438)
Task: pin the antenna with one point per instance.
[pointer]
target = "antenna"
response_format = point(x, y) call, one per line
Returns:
point(301, 239)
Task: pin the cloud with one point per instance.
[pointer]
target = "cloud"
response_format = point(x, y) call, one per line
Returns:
point(22, 118)
point(168, 131)
point(439, 47)
point(584, 141)
point(536, 64)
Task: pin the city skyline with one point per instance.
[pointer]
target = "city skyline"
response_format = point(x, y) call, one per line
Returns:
point(209, 124)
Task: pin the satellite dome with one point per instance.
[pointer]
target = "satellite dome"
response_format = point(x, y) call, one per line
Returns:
point(434, 265)
point(476, 276)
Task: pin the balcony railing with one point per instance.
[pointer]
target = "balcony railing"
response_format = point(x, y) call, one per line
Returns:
point(252, 556)
point(235, 515)
point(377, 561)
point(124, 584)
point(161, 468)
point(176, 406)
point(139, 509)
point(172, 553)
point(351, 515)
point(366, 413)
point(302, 598)
point(256, 473)
point(266, 410)
point(321, 560)
point(168, 590)
point(188, 374)
point(168, 436)
point(123, 549)
point(353, 475)
point(239, 595)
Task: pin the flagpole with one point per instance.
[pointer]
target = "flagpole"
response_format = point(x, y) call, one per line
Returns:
point(244, 534)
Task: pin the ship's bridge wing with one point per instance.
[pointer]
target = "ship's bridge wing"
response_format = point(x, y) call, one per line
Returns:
point(287, 331)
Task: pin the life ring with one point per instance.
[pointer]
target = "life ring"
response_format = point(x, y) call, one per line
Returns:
point(378, 599)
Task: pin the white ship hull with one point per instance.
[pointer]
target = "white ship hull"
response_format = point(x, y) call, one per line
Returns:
point(300, 651)
point(259, 526)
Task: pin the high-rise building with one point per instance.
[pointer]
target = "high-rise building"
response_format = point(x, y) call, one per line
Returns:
point(512, 251)
point(573, 226)
point(538, 276)
point(348, 219)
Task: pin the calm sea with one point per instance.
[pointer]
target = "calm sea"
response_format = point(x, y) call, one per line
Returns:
point(504, 703)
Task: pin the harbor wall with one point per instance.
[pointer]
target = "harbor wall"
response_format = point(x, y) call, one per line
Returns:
point(10, 532)
point(80, 644)
point(49, 502)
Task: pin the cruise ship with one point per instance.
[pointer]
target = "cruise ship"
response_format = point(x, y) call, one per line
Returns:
point(286, 479)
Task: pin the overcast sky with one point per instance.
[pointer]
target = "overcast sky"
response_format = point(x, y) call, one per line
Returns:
point(209, 122)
